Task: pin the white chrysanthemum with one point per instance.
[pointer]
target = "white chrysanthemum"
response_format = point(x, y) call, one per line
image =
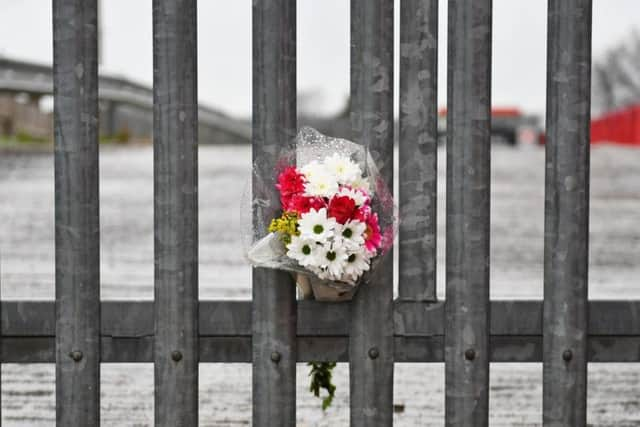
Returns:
point(304, 250)
point(357, 263)
point(321, 186)
point(316, 225)
point(357, 195)
point(351, 234)
point(333, 261)
point(343, 168)
point(313, 168)
point(361, 183)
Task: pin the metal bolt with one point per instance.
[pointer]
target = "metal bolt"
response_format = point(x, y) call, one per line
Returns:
point(176, 355)
point(567, 355)
point(470, 354)
point(374, 353)
point(76, 355)
point(275, 357)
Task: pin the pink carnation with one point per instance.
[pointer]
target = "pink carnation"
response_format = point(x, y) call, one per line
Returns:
point(362, 213)
point(372, 236)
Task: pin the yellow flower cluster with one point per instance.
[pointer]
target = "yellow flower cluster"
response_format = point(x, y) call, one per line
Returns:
point(286, 225)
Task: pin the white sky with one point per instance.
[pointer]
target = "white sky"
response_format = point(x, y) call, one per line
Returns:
point(224, 46)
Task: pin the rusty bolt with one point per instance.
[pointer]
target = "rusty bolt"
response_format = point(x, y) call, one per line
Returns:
point(275, 357)
point(76, 355)
point(567, 355)
point(470, 354)
point(374, 353)
point(176, 355)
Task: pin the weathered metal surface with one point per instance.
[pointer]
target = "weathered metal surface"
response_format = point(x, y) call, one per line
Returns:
point(1, 343)
point(134, 319)
point(176, 212)
point(274, 128)
point(28, 330)
point(77, 218)
point(237, 349)
point(468, 201)
point(371, 378)
point(418, 144)
point(566, 252)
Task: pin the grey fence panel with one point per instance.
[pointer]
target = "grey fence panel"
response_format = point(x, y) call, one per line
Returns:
point(371, 335)
point(468, 202)
point(418, 144)
point(566, 251)
point(175, 139)
point(77, 222)
point(274, 127)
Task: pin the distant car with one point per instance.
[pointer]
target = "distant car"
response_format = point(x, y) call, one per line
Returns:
point(508, 126)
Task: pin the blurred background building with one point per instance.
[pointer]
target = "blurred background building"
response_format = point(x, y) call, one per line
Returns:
point(323, 62)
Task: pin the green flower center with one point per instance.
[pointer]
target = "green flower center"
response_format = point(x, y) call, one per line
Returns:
point(351, 258)
point(306, 249)
point(318, 229)
point(331, 256)
point(347, 233)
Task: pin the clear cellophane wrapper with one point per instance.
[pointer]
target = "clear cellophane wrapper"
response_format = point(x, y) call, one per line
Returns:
point(266, 249)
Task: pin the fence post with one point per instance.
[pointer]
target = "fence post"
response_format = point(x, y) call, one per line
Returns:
point(77, 218)
point(1, 337)
point(566, 247)
point(468, 201)
point(175, 138)
point(274, 127)
point(371, 335)
point(418, 143)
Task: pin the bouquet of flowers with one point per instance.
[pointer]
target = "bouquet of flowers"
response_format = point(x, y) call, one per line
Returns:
point(336, 217)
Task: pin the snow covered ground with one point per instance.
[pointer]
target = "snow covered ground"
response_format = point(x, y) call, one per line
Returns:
point(27, 272)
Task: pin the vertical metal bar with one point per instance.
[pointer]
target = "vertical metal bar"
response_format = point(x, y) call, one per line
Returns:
point(175, 139)
point(371, 334)
point(274, 127)
point(1, 340)
point(567, 213)
point(77, 218)
point(468, 202)
point(418, 148)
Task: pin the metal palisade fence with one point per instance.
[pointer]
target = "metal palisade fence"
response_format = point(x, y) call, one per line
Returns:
point(274, 331)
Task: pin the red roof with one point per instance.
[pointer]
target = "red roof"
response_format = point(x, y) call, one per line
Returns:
point(495, 112)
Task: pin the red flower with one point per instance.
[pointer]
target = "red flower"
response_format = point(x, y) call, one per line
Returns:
point(372, 237)
point(342, 208)
point(302, 204)
point(362, 213)
point(290, 183)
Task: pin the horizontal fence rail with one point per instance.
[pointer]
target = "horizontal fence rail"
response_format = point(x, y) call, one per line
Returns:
point(127, 334)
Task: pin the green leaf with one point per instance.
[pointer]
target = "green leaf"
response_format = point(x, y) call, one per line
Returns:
point(321, 374)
